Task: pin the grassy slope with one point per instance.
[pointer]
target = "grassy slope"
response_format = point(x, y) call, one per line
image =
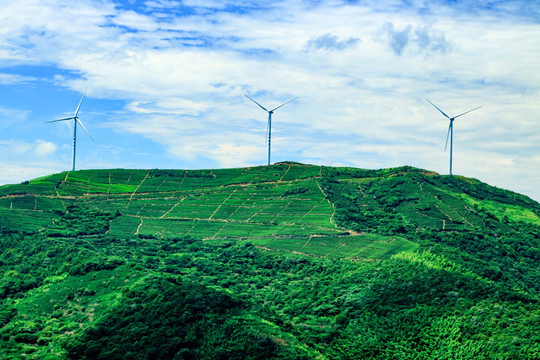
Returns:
point(282, 209)
point(441, 259)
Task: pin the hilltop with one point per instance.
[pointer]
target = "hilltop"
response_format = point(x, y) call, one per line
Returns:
point(286, 261)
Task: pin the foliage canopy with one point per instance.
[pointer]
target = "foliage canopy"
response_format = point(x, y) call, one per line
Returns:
point(287, 261)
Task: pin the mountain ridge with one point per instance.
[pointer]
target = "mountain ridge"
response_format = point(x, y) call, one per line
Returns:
point(287, 261)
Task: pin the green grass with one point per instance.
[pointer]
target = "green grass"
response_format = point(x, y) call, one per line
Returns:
point(345, 262)
point(62, 308)
point(280, 205)
point(511, 212)
point(25, 220)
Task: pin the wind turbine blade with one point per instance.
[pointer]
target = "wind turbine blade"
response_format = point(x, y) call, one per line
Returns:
point(442, 112)
point(262, 107)
point(63, 119)
point(86, 131)
point(466, 112)
point(80, 102)
point(284, 104)
point(448, 135)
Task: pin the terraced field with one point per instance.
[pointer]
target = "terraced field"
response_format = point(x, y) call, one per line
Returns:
point(281, 208)
point(287, 207)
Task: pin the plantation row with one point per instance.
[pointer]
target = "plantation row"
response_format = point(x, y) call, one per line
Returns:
point(283, 207)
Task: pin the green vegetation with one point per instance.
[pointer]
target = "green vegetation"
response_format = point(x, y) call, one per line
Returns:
point(289, 261)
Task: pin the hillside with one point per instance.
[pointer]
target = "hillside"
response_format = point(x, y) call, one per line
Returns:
point(287, 261)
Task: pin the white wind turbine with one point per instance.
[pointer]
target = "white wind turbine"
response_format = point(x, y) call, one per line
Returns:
point(269, 126)
point(76, 121)
point(451, 129)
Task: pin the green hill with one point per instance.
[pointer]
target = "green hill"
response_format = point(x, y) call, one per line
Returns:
point(287, 261)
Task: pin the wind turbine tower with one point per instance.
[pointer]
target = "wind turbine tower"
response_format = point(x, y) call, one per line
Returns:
point(451, 129)
point(269, 126)
point(76, 121)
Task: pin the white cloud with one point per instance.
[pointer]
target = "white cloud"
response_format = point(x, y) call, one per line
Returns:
point(12, 117)
point(173, 106)
point(10, 79)
point(13, 173)
point(44, 148)
point(361, 71)
point(162, 4)
point(21, 160)
point(331, 42)
point(17, 148)
point(135, 21)
point(422, 38)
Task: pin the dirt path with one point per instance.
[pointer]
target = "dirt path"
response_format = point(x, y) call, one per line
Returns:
point(220, 205)
point(285, 173)
point(332, 221)
point(138, 186)
point(138, 227)
point(171, 209)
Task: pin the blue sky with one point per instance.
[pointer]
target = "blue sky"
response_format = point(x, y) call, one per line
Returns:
point(166, 79)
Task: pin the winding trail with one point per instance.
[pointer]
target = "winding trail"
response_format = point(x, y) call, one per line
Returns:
point(332, 221)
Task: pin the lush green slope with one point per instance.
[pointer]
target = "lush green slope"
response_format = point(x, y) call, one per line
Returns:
point(287, 261)
point(282, 208)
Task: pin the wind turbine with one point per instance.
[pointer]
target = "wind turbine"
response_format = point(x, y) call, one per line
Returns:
point(76, 121)
point(269, 126)
point(451, 129)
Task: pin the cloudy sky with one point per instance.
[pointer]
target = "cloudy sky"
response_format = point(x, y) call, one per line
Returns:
point(166, 80)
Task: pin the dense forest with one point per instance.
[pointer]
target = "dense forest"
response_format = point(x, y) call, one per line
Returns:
point(289, 261)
